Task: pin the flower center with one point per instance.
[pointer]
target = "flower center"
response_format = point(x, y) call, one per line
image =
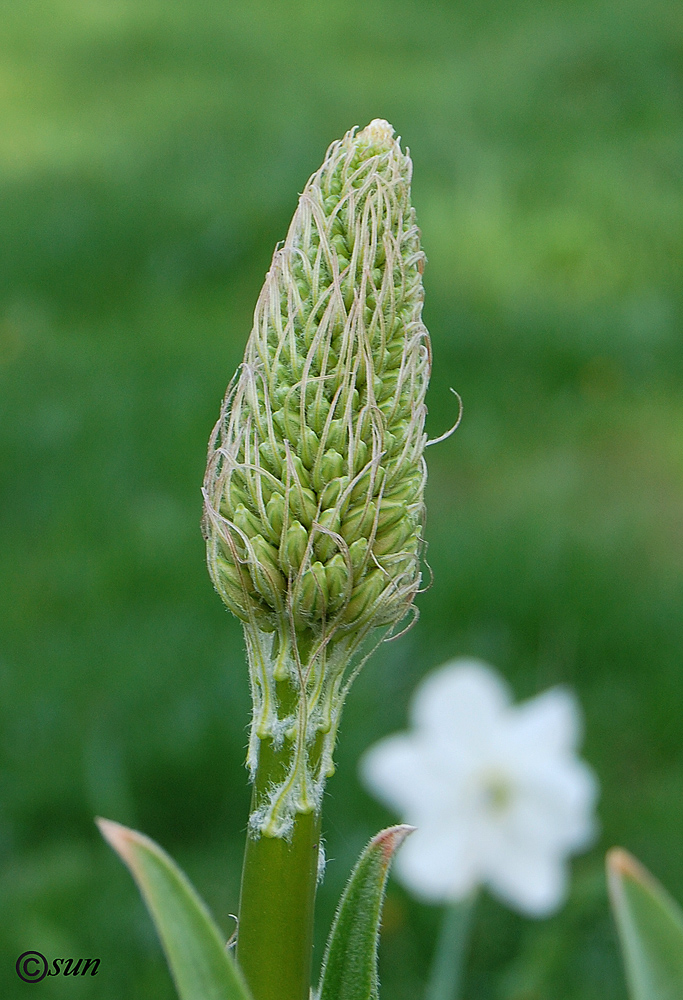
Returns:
point(496, 791)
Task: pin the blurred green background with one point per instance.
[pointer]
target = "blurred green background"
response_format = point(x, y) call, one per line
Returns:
point(150, 158)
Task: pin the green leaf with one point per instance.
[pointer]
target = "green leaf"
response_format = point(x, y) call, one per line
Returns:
point(650, 927)
point(350, 962)
point(197, 956)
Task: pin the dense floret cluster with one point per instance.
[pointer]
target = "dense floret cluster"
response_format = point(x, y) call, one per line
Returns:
point(314, 488)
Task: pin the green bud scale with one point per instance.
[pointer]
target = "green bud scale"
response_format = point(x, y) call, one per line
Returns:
point(314, 506)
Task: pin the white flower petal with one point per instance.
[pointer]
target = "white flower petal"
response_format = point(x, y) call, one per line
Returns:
point(559, 804)
point(436, 866)
point(528, 880)
point(399, 775)
point(459, 703)
point(551, 721)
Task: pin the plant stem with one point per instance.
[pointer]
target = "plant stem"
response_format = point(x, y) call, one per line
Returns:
point(449, 957)
point(279, 877)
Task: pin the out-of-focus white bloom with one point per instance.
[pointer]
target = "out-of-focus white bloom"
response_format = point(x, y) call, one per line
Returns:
point(496, 790)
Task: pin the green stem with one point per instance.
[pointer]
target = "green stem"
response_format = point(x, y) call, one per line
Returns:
point(449, 957)
point(279, 877)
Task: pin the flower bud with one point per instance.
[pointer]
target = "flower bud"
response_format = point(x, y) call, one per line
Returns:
point(315, 478)
point(293, 548)
point(366, 593)
point(266, 571)
point(358, 554)
point(338, 580)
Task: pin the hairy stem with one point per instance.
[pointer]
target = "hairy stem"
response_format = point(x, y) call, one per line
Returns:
point(279, 877)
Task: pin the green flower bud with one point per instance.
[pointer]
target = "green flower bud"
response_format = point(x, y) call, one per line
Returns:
point(266, 571)
point(359, 522)
point(358, 554)
point(275, 512)
point(317, 412)
point(234, 582)
point(391, 539)
point(303, 503)
point(310, 444)
point(247, 522)
point(366, 594)
point(338, 580)
point(325, 545)
point(315, 478)
point(331, 467)
point(293, 548)
point(311, 593)
point(390, 512)
point(330, 493)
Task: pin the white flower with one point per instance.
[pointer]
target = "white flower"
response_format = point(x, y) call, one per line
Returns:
point(496, 790)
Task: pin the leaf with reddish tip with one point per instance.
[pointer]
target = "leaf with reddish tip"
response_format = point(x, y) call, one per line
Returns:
point(650, 927)
point(201, 966)
point(350, 963)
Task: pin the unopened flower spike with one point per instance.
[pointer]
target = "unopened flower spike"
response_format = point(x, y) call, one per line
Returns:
point(314, 487)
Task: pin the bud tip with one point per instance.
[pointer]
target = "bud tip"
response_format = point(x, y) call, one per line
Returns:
point(378, 133)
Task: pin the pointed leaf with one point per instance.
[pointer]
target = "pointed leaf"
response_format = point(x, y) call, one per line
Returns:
point(650, 927)
point(350, 962)
point(197, 956)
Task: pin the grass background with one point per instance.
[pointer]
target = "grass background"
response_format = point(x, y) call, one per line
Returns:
point(150, 158)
